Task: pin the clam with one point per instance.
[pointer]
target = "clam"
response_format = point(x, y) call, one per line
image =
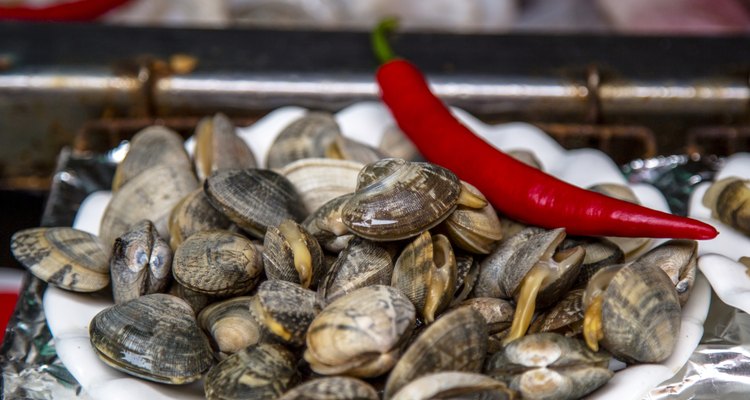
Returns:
point(254, 199)
point(565, 317)
point(64, 257)
point(327, 226)
point(194, 214)
point(332, 388)
point(290, 253)
point(310, 136)
point(217, 263)
point(141, 263)
point(497, 313)
point(600, 253)
point(396, 144)
point(218, 147)
point(426, 273)
point(467, 272)
point(678, 259)
point(550, 366)
point(344, 148)
point(476, 230)
point(362, 263)
point(150, 195)
point(361, 333)
point(285, 309)
point(151, 147)
point(455, 342)
point(630, 246)
point(319, 180)
point(262, 371)
point(231, 325)
point(726, 199)
point(153, 337)
point(453, 384)
point(634, 311)
point(397, 199)
point(198, 301)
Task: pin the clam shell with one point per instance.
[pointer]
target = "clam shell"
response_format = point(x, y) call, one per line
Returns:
point(154, 337)
point(727, 200)
point(362, 263)
point(231, 325)
point(320, 180)
point(64, 257)
point(292, 254)
point(254, 199)
point(361, 333)
point(396, 144)
point(497, 313)
point(452, 384)
point(471, 229)
point(286, 309)
point(198, 301)
point(326, 225)
point(348, 149)
point(218, 147)
point(493, 268)
point(333, 388)
point(262, 371)
point(193, 214)
point(310, 136)
point(151, 147)
point(141, 263)
point(217, 263)
point(467, 272)
point(455, 342)
point(600, 253)
point(679, 260)
point(396, 199)
point(150, 195)
point(565, 317)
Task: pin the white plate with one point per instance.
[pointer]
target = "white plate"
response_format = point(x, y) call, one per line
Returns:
point(719, 265)
point(68, 314)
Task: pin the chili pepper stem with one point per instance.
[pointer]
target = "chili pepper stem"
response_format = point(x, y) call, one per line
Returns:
point(379, 39)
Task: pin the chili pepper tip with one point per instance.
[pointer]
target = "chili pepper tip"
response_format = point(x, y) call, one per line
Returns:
point(379, 39)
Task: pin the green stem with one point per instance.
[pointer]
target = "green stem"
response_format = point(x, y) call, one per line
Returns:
point(379, 38)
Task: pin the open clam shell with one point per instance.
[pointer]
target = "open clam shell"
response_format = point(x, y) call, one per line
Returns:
point(153, 337)
point(65, 257)
point(328, 227)
point(231, 324)
point(290, 253)
point(141, 263)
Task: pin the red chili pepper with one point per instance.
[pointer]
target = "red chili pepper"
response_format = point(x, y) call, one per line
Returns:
point(513, 188)
point(79, 10)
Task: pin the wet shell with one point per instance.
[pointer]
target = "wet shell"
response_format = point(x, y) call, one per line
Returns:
point(426, 273)
point(727, 200)
point(679, 260)
point(310, 136)
point(263, 371)
point(217, 263)
point(565, 317)
point(218, 147)
point(550, 366)
point(600, 253)
point(64, 257)
point(320, 180)
point(467, 272)
point(361, 333)
point(291, 254)
point(151, 147)
point(198, 301)
point(333, 388)
point(285, 309)
point(154, 337)
point(254, 199)
point(362, 263)
point(141, 263)
point(463, 385)
point(194, 214)
point(326, 225)
point(497, 313)
point(474, 230)
point(231, 325)
point(150, 195)
point(455, 342)
point(492, 268)
point(396, 199)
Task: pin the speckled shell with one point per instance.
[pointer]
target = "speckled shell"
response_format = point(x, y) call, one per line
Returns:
point(231, 325)
point(471, 229)
point(154, 337)
point(150, 195)
point(151, 147)
point(279, 261)
point(640, 314)
point(141, 263)
point(452, 384)
point(426, 267)
point(565, 317)
point(320, 180)
point(397, 199)
point(467, 272)
point(362, 263)
point(217, 263)
point(263, 371)
point(492, 268)
point(64, 257)
point(550, 366)
point(497, 313)
point(326, 225)
point(282, 305)
point(218, 147)
point(310, 136)
point(254, 199)
point(678, 258)
point(455, 342)
point(198, 301)
point(194, 214)
point(333, 388)
point(600, 253)
point(361, 333)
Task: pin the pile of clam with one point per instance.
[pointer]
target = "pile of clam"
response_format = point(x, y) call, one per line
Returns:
point(341, 272)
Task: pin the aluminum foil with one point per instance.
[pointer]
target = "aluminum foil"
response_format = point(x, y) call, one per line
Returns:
point(719, 368)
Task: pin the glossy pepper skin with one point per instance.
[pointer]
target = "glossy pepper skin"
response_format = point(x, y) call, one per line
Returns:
point(513, 188)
